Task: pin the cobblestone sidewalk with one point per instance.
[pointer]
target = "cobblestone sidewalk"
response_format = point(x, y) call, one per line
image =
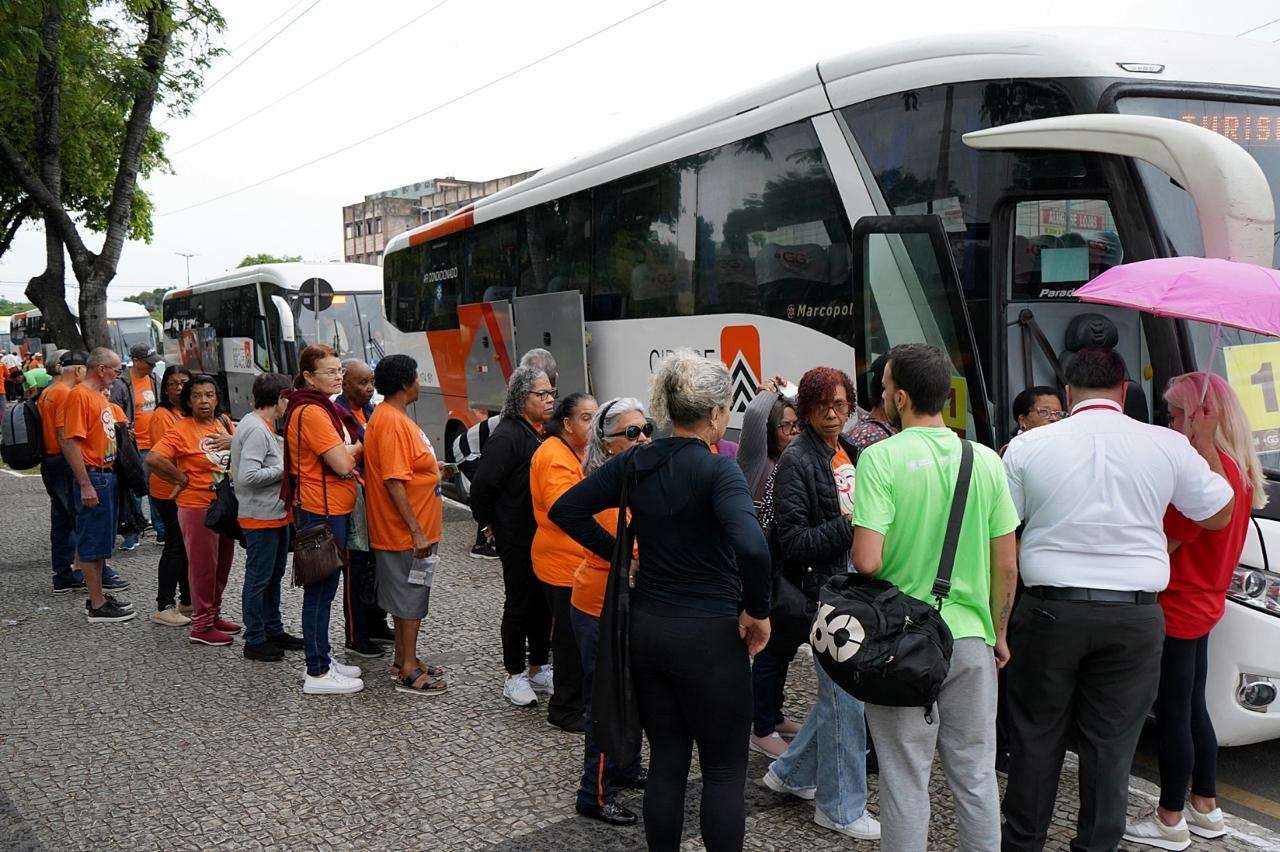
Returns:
point(127, 737)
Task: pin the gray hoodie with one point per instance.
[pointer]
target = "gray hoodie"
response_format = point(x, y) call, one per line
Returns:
point(257, 466)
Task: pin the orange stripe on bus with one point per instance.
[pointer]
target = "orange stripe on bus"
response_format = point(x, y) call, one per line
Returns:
point(499, 345)
point(459, 221)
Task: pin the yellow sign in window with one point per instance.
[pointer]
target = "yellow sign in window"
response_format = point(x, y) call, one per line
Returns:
point(955, 412)
point(1252, 372)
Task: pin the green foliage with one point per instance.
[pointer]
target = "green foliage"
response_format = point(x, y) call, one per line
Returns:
point(149, 299)
point(256, 259)
point(8, 308)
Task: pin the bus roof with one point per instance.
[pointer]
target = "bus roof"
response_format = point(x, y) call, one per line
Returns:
point(115, 310)
point(345, 277)
point(882, 70)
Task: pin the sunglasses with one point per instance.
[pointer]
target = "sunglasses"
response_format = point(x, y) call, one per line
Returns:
point(633, 433)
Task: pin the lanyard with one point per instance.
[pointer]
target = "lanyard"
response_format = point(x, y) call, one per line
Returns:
point(1100, 407)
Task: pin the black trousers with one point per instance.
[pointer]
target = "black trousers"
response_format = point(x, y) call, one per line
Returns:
point(1188, 746)
point(525, 615)
point(360, 598)
point(693, 685)
point(567, 704)
point(173, 558)
point(1082, 668)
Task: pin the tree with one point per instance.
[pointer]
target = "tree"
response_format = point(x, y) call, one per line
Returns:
point(80, 82)
point(149, 299)
point(255, 259)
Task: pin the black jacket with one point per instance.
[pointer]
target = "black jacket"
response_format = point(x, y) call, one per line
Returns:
point(500, 495)
point(121, 392)
point(701, 548)
point(812, 535)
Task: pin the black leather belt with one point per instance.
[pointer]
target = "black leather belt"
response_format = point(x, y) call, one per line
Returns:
point(1073, 593)
point(92, 469)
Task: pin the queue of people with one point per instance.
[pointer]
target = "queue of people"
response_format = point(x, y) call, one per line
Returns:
point(1098, 579)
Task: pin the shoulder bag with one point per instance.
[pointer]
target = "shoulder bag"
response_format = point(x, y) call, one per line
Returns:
point(223, 514)
point(882, 646)
point(316, 554)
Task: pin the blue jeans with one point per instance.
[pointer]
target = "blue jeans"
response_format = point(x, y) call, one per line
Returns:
point(157, 522)
point(768, 681)
point(599, 774)
point(96, 526)
point(266, 552)
point(317, 599)
point(830, 752)
point(58, 483)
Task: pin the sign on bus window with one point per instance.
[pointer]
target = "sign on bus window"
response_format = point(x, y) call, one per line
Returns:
point(1061, 244)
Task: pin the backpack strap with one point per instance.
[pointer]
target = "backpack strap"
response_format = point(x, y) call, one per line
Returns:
point(942, 583)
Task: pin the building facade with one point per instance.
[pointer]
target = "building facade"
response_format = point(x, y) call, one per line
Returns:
point(368, 225)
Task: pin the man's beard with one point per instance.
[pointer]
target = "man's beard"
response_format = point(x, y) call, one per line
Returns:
point(892, 413)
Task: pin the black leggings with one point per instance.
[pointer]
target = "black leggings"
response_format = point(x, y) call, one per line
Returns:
point(1188, 747)
point(693, 684)
point(173, 559)
point(525, 616)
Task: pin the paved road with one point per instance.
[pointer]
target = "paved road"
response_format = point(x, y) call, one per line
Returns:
point(127, 737)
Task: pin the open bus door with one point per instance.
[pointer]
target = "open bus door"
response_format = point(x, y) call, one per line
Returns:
point(907, 290)
point(488, 338)
point(555, 322)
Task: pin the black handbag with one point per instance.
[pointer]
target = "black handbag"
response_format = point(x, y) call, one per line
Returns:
point(316, 554)
point(223, 514)
point(615, 714)
point(128, 465)
point(882, 646)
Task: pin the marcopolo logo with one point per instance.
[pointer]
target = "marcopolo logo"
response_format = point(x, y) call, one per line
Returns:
point(740, 351)
point(839, 637)
point(795, 312)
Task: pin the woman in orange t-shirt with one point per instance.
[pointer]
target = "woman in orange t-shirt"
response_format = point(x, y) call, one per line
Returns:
point(194, 454)
point(619, 424)
point(173, 592)
point(405, 513)
point(320, 459)
point(556, 467)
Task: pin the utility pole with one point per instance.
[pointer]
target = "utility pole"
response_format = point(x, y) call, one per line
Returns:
point(188, 256)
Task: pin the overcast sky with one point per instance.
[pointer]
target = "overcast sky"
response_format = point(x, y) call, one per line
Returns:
point(674, 58)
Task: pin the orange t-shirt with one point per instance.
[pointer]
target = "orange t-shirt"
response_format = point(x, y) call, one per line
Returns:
point(88, 417)
point(144, 408)
point(395, 448)
point(314, 478)
point(358, 414)
point(52, 408)
point(188, 445)
point(592, 576)
point(161, 420)
point(553, 470)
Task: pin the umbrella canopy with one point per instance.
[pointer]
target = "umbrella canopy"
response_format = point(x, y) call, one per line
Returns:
point(1239, 295)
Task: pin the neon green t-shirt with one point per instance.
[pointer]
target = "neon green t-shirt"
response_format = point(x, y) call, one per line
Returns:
point(905, 484)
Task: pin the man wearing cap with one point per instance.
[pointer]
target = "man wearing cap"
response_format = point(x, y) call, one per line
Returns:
point(56, 475)
point(36, 376)
point(136, 392)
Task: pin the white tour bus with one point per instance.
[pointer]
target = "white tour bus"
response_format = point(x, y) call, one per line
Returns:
point(953, 190)
point(257, 319)
point(128, 324)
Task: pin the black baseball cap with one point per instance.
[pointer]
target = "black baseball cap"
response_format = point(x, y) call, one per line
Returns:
point(74, 358)
point(144, 352)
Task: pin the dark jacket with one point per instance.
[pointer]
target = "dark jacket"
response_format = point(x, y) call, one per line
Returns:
point(121, 392)
point(701, 548)
point(500, 496)
point(813, 537)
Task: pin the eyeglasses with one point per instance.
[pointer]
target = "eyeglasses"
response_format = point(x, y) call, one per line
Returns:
point(546, 394)
point(1051, 413)
point(633, 433)
point(790, 427)
point(840, 408)
point(331, 373)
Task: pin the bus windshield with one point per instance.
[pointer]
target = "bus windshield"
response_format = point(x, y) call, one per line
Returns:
point(1250, 362)
point(132, 331)
point(339, 326)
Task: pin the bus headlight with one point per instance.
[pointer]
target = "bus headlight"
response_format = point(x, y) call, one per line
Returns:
point(1256, 588)
point(1255, 693)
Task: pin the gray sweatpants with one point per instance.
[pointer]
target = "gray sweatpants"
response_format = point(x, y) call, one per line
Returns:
point(964, 734)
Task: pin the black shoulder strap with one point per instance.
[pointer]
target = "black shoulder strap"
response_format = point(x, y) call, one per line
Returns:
point(942, 583)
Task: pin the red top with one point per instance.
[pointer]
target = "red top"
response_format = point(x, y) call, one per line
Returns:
point(1200, 570)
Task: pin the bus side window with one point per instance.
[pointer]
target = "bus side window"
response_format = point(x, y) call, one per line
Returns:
point(555, 254)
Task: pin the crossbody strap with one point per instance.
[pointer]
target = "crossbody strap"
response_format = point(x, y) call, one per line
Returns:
point(324, 481)
point(955, 519)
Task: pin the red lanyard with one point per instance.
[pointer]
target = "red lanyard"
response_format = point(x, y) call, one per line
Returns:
point(1084, 408)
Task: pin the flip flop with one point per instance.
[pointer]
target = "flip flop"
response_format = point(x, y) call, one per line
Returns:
point(434, 671)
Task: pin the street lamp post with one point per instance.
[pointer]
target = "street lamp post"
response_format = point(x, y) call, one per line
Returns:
point(188, 256)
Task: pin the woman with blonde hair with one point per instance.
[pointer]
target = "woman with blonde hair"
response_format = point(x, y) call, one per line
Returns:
point(1203, 407)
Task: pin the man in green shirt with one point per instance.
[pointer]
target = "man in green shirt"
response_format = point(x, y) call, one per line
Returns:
point(36, 376)
point(904, 489)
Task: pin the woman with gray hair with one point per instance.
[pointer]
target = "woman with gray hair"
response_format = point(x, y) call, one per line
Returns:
point(502, 505)
point(701, 600)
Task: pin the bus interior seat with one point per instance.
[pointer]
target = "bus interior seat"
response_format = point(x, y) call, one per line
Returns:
point(1095, 330)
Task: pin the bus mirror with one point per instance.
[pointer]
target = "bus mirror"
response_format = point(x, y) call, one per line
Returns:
point(315, 290)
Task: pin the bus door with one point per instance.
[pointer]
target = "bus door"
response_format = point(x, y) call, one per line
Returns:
point(488, 338)
point(555, 322)
point(907, 290)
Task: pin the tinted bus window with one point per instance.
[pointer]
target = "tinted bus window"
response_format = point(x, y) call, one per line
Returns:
point(556, 248)
point(420, 285)
point(491, 261)
point(772, 236)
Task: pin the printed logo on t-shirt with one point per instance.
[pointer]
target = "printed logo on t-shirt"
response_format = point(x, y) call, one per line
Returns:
point(426, 442)
point(148, 400)
point(221, 459)
point(844, 487)
point(109, 431)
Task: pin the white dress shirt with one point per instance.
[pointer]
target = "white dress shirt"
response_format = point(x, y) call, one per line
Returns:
point(1093, 490)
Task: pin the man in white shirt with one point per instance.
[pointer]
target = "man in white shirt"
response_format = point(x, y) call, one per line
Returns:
point(1086, 637)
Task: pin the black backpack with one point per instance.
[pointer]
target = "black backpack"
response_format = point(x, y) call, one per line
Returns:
point(882, 646)
point(129, 468)
point(21, 435)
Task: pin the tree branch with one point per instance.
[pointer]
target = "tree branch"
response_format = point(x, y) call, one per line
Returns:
point(16, 217)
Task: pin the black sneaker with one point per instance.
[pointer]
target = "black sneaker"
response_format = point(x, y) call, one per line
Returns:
point(116, 602)
point(263, 652)
point(366, 649)
point(62, 587)
point(109, 611)
point(611, 813)
point(382, 634)
point(115, 584)
point(571, 726)
point(287, 642)
point(484, 551)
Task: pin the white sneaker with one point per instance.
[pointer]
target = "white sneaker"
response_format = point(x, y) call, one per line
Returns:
point(344, 669)
point(864, 827)
point(774, 783)
point(1150, 831)
point(332, 683)
point(518, 691)
point(1208, 825)
point(543, 680)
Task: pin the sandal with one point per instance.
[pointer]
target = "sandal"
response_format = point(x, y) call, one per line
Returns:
point(421, 683)
point(433, 671)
